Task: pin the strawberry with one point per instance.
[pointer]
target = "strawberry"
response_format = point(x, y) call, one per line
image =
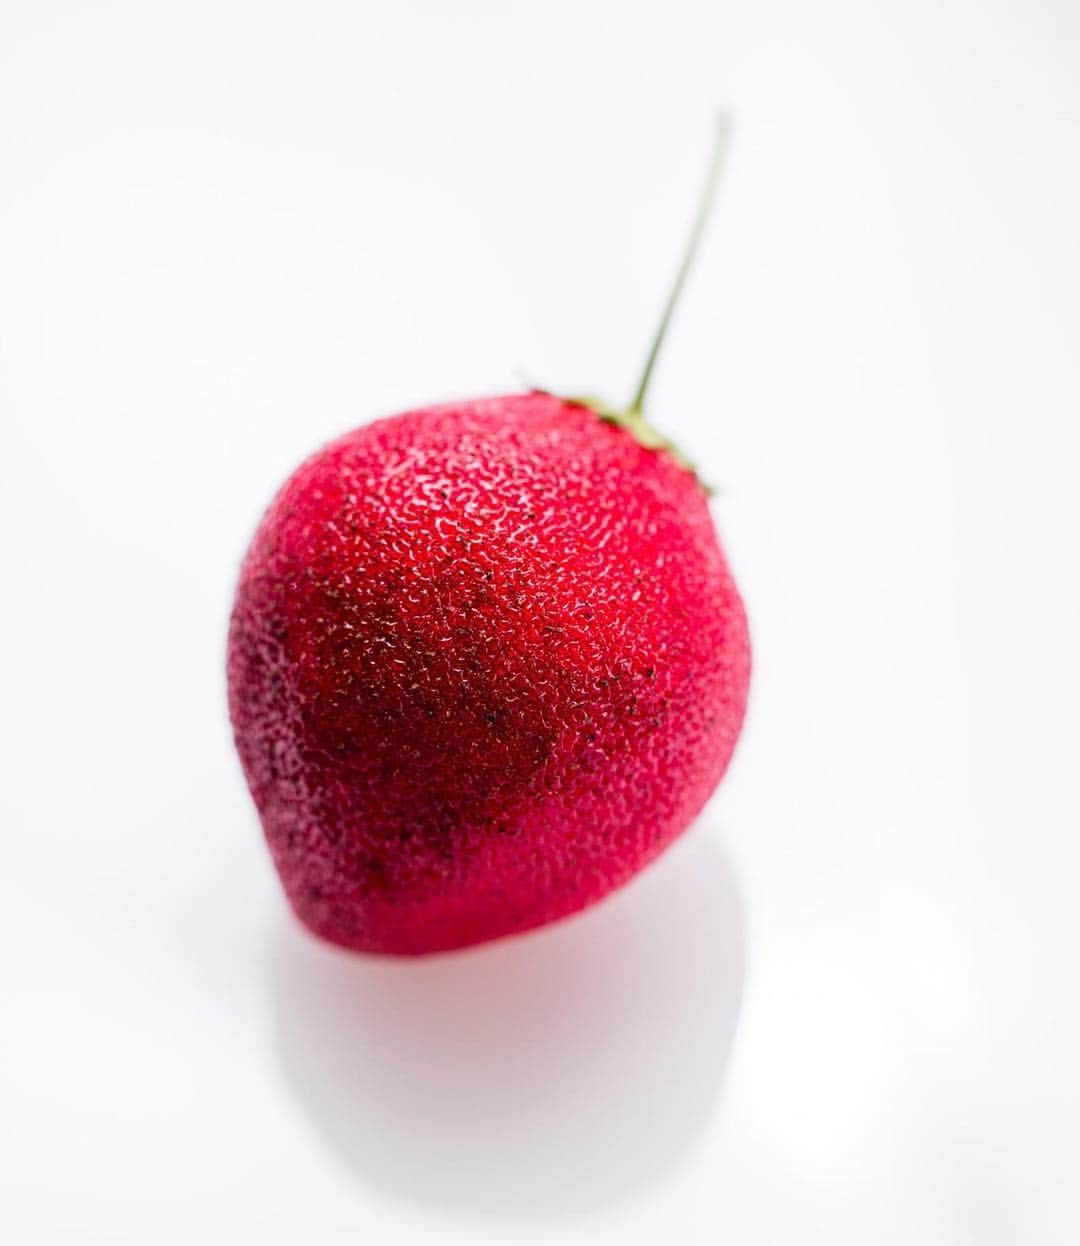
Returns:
point(486, 661)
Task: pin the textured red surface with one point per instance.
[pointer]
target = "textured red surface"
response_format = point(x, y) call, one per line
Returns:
point(486, 661)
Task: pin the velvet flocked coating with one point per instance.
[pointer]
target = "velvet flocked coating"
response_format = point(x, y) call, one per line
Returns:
point(486, 661)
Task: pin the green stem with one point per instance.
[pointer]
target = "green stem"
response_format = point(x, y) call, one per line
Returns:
point(721, 143)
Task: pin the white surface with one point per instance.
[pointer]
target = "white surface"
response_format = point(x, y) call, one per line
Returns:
point(844, 1010)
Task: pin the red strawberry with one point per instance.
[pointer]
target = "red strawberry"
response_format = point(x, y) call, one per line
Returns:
point(486, 661)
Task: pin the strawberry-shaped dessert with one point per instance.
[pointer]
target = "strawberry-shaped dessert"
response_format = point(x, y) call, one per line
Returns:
point(486, 661)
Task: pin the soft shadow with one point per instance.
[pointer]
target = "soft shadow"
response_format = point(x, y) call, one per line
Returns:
point(542, 1076)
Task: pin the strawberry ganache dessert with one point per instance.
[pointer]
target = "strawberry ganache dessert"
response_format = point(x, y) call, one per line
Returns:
point(486, 661)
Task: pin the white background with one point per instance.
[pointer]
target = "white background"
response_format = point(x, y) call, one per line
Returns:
point(844, 1009)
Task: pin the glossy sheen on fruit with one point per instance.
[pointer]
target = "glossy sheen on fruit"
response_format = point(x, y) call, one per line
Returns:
point(486, 661)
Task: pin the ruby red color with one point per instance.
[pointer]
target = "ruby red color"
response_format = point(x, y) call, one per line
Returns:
point(486, 661)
